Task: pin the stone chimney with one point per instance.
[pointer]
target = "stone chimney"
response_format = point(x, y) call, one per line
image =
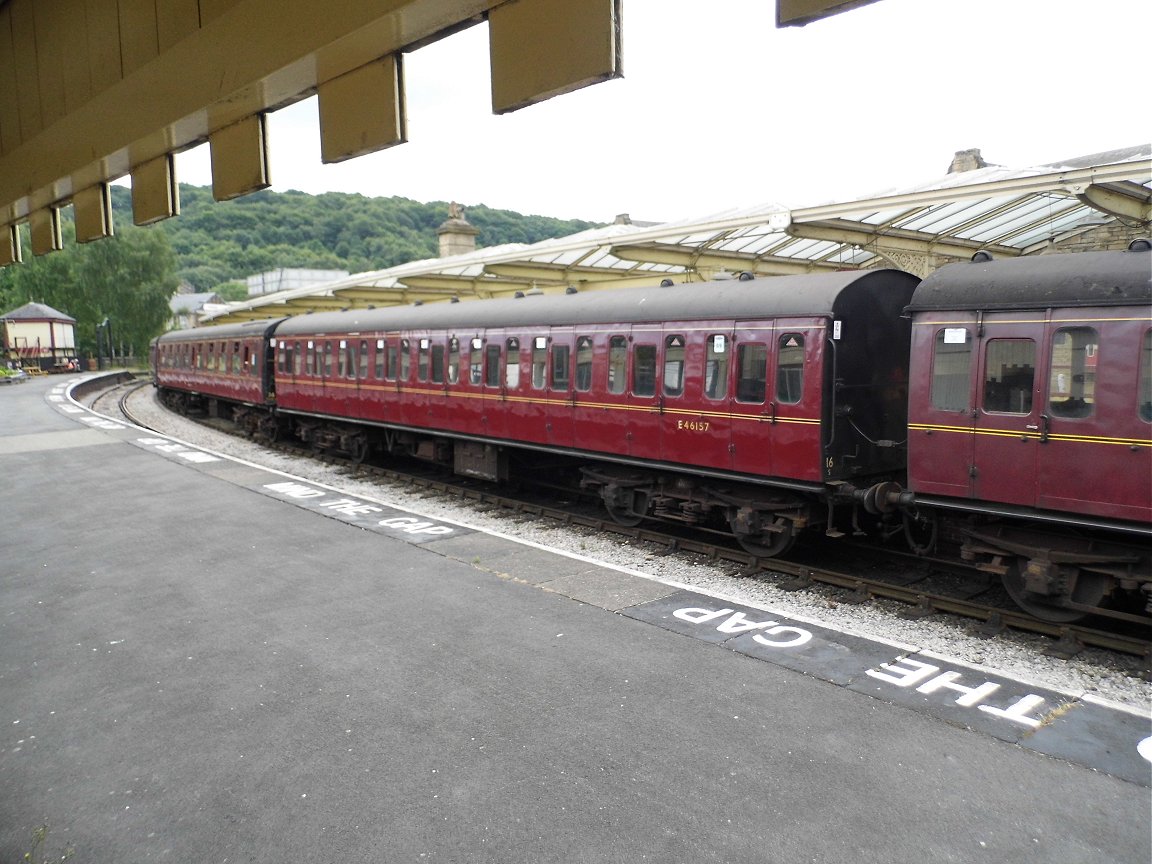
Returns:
point(457, 235)
point(967, 160)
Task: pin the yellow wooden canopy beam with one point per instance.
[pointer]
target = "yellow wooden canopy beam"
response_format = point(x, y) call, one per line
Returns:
point(92, 90)
point(894, 239)
point(797, 13)
point(695, 259)
point(1123, 200)
point(554, 274)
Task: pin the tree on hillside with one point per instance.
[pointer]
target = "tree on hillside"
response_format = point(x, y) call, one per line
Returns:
point(130, 278)
point(216, 242)
point(126, 279)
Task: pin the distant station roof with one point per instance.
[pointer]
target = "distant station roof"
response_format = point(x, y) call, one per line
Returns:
point(1005, 211)
point(36, 312)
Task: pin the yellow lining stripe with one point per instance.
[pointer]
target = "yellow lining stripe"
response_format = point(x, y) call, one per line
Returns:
point(1031, 433)
point(567, 403)
point(1055, 321)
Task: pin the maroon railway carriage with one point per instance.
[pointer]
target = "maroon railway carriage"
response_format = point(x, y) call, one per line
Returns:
point(223, 370)
point(1031, 397)
point(745, 400)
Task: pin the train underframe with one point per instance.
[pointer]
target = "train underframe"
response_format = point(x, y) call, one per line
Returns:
point(1052, 572)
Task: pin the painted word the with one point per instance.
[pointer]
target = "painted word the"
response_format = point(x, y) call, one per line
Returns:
point(929, 679)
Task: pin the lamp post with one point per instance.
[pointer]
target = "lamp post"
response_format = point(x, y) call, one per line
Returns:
point(103, 327)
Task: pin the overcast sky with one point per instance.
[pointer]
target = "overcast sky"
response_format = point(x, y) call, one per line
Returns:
point(719, 109)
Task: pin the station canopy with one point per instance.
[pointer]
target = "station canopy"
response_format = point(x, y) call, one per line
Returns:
point(1004, 211)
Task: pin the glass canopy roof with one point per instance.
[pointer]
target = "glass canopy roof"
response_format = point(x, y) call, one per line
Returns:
point(1005, 211)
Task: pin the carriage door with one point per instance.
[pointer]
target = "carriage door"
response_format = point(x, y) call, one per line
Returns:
point(646, 403)
point(753, 420)
point(1008, 421)
point(942, 405)
point(1088, 461)
point(694, 394)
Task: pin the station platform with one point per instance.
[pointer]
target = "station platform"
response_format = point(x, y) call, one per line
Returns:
point(202, 660)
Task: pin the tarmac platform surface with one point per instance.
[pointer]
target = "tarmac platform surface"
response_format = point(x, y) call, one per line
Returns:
point(205, 661)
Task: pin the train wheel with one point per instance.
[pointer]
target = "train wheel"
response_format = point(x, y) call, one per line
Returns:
point(1088, 590)
point(921, 531)
point(774, 539)
point(269, 429)
point(358, 448)
point(623, 517)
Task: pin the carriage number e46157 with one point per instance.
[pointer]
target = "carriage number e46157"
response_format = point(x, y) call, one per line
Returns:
point(693, 425)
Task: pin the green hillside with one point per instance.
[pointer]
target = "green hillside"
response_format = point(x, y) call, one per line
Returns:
point(129, 278)
point(220, 242)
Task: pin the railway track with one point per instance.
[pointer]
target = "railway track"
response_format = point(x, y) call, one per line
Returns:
point(924, 587)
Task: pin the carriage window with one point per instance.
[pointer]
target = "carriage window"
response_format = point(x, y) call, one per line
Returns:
point(309, 361)
point(617, 363)
point(327, 359)
point(211, 356)
point(453, 361)
point(392, 362)
point(476, 362)
point(378, 361)
point(951, 369)
point(1145, 385)
point(539, 362)
point(296, 359)
point(644, 370)
point(422, 361)
point(716, 367)
point(346, 361)
point(237, 368)
point(584, 364)
point(560, 362)
point(673, 365)
point(438, 364)
point(405, 359)
point(512, 367)
point(363, 359)
point(1009, 375)
point(492, 366)
point(282, 358)
point(1072, 374)
point(790, 368)
point(752, 370)
point(247, 357)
